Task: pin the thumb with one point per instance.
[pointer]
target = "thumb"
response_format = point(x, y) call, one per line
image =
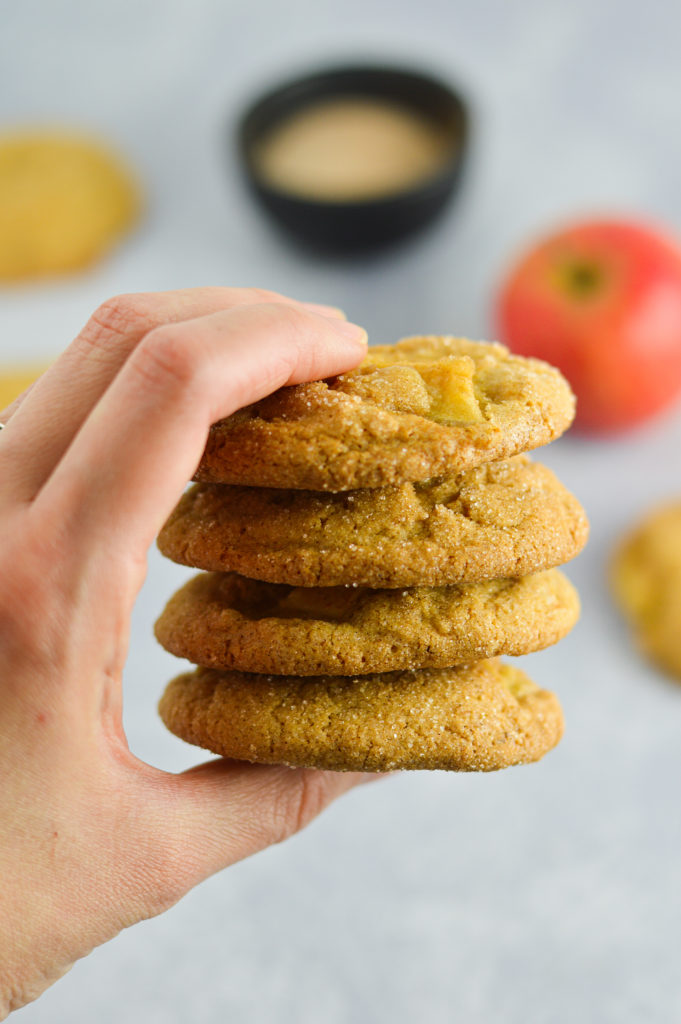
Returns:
point(222, 811)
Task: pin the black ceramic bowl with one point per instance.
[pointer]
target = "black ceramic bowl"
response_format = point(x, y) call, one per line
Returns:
point(365, 224)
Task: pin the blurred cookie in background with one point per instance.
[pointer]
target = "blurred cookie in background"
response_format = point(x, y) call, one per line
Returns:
point(64, 201)
point(15, 379)
point(646, 583)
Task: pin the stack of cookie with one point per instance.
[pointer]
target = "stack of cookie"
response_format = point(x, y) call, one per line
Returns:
point(371, 543)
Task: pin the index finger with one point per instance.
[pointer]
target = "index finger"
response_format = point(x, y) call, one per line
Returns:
point(46, 418)
point(129, 464)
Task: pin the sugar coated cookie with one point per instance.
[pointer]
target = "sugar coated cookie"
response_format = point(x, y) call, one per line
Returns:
point(476, 718)
point(505, 518)
point(412, 411)
point(222, 620)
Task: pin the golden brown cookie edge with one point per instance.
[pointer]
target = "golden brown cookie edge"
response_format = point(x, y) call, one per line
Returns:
point(369, 447)
point(232, 714)
point(204, 625)
point(400, 562)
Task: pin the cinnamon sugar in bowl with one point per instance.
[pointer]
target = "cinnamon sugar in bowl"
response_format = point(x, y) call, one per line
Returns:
point(354, 158)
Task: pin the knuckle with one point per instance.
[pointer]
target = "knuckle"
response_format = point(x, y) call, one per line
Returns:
point(285, 314)
point(168, 356)
point(145, 880)
point(164, 865)
point(302, 340)
point(302, 799)
point(116, 317)
point(292, 325)
point(262, 295)
point(159, 882)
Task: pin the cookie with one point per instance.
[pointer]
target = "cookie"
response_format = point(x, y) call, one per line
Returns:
point(646, 582)
point(222, 620)
point(505, 518)
point(412, 411)
point(63, 202)
point(15, 379)
point(478, 717)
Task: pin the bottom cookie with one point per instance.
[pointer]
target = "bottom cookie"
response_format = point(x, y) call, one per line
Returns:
point(477, 717)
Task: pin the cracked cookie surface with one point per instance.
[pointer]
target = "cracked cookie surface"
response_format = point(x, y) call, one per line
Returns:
point(478, 717)
point(222, 620)
point(504, 518)
point(646, 582)
point(411, 411)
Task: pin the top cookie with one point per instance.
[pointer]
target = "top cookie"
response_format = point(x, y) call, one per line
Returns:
point(418, 409)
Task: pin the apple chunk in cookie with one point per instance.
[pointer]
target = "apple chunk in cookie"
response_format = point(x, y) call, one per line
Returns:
point(441, 390)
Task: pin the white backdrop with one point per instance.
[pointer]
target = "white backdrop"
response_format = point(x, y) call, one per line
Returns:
point(542, 894)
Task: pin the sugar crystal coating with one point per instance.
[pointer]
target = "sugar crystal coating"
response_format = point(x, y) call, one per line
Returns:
point(505, 518)
point(223, 620)
point(479, 717)
point(387, 551)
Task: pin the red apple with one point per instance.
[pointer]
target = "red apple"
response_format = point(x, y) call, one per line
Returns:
point(601, 301)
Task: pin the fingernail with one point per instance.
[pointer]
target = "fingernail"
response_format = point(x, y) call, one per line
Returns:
point(332, 311)
point(353, 332)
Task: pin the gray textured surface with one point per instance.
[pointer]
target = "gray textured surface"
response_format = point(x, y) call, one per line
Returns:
point(540, 895)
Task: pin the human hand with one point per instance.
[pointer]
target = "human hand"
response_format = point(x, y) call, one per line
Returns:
point(93, 459)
